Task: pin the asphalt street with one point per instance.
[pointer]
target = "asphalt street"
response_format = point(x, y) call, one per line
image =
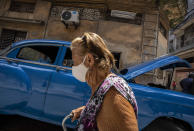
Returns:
point(18, 123)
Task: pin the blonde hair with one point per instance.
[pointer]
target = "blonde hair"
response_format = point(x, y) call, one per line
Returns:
point(94, 44)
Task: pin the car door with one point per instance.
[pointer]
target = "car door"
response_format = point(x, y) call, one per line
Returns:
point(14, 84)
point(65, 93)
point(38, 61)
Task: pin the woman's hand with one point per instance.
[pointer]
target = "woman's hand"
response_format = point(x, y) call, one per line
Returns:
point(76, 113)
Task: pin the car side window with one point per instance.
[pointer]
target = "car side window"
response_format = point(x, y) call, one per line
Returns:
point(39, 53)
point(68, 58)
point(152, 79)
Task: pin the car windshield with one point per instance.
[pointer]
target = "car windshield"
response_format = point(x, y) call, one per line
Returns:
point(3, 52)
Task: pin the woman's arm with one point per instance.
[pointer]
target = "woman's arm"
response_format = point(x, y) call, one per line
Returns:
point(116, 113)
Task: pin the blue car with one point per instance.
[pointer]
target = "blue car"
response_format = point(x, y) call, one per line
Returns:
point(36, 81)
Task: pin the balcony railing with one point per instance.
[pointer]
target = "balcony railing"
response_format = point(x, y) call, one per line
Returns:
point(188, 17)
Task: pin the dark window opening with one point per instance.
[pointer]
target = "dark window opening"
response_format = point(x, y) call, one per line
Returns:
point(148, 80)
point(117, 58)
point(163, 30)
point(22, 6)
point(182, 40)
point(68, 58)
point(43, 54)
point(190, 59)
point(10, 36)
point(171, 48)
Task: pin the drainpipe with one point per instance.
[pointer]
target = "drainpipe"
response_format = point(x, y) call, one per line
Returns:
point(156, 41)
point(157, 31)
point(142, 38)
point(46, 24)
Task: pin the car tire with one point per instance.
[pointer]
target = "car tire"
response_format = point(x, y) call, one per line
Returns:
point(166, 125)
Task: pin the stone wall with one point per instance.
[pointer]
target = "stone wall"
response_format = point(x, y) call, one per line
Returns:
point(136, 42)
point(124, 38)
point(32, 23)
point(120, 37)
point(162, 45)
point(34, 31)
point(149, 45)
point(41, 11)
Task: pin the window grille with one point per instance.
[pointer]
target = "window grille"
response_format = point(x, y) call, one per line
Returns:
point(22, 7)
point(10, 36)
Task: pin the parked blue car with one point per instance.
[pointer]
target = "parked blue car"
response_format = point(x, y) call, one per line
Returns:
point(36, 82)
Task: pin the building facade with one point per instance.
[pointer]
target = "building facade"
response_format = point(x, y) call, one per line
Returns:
point(132, 41)
point(181, 43)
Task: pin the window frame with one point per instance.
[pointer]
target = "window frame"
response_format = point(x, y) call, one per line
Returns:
point(67, 49)
point(12, 53)
point(33, 4)
point(37, 61)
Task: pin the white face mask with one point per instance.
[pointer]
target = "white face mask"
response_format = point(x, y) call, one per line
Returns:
point(79, 71)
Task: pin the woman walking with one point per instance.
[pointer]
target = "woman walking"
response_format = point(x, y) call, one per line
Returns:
point(112, 105)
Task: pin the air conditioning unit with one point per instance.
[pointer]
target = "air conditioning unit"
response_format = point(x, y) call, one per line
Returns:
point(70, 18)
point(123, 14)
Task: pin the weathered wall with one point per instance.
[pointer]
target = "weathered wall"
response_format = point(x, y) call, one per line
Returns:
point(34, 31)
point(149, 44)
point(56, 30)
point(136, 43)
point(119, 37)
point(41, 12)
point(124, 38)
point(162, 45)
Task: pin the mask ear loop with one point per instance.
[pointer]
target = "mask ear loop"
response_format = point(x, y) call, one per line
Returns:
point(85, 42)
point(84, 59)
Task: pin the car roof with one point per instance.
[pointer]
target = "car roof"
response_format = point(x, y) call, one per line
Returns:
point(42, 41)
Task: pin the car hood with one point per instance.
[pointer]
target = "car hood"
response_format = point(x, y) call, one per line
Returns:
point(165, 62)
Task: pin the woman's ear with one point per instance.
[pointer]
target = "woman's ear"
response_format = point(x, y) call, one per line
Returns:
point(89, 60)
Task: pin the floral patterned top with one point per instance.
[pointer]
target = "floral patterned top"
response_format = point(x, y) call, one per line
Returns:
point(87, 120)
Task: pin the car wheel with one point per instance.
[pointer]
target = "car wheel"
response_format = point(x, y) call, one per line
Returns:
point(165, 125)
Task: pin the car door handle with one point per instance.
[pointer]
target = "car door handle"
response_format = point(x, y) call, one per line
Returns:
point(58, 68)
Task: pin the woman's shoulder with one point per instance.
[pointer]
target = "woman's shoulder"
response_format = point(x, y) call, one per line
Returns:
point(115, 79)
point(113, 98)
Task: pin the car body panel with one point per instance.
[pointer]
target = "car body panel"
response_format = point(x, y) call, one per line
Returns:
point(155, 102)
point(17, 87)
point(48, 92)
